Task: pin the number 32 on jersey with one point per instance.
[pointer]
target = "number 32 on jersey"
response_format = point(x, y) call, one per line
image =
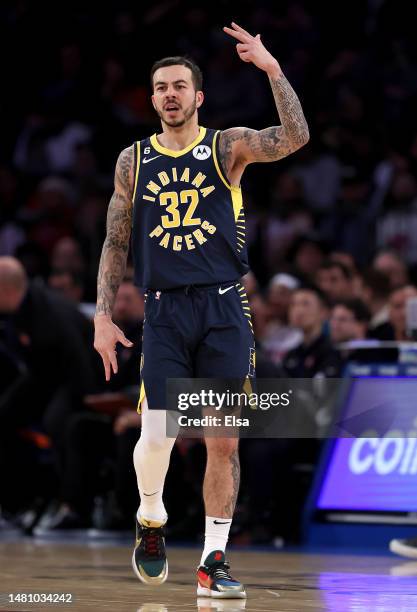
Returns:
point(174, 202)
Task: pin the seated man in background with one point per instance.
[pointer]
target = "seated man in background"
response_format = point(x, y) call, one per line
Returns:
point(278, 336)
point(104, 436)
point(335, 279)
point(51, 341)
point(393, 266)
point(315, 354)
point(396, 327)
point(375, 291)
point(349, 320)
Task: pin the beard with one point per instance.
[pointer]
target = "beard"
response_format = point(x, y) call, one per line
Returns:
point(188, 113)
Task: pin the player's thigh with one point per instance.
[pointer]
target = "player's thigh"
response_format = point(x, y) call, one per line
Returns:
point(164, 355)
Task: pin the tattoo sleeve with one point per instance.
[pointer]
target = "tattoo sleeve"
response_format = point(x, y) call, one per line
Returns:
point(116, 245)
point(235, 470)
point(243, 145)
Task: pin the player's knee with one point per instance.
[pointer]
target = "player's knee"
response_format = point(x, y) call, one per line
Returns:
point(154, 441)
point(222, 446)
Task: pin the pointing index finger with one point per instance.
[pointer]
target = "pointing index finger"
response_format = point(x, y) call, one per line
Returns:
point(240, 29)
point(244, 38)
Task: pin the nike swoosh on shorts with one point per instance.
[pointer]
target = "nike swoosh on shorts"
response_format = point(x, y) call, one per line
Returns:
point(221, 291)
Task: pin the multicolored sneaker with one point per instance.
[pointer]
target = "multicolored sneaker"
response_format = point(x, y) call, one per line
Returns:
point(214, 579)
point(149, 560)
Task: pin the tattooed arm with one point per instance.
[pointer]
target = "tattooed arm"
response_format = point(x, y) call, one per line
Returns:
point(113, 261)
point(241, 146)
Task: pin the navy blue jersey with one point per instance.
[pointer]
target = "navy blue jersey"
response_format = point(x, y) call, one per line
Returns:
point(188, 221)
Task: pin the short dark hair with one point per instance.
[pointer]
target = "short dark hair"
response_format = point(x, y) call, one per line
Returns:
point(312, 288)
point(180, 60)
point(377, 282)
point(329, 264)
point(357, 308)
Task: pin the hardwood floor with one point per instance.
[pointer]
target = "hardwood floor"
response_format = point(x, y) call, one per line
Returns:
point(100, 578)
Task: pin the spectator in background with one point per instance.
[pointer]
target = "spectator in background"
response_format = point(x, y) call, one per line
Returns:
point(68, 283)
point(396, 326)
point(392, 265)
point(112, 423)
point(305, 256)
point(259, 309)
point(350, 223)
point(308, 312)
point(375, 292)
point(320, 172)
point(53, 343)
point(397, 312)
point(397, 227)
point(34, 259)
point(346, 259)
point(67, 255)
point(288, 219)
point(49, 213)
point(335, 280)
point(278, 336)
point(349, 261)
point(349, 321)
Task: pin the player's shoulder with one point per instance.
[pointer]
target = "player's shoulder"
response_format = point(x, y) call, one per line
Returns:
point(127, 154)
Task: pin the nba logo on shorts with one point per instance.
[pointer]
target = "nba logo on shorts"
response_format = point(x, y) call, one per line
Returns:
point(201, 152)
point(251, 371)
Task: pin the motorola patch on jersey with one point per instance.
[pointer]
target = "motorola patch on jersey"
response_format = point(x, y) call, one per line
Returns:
point(201, 152)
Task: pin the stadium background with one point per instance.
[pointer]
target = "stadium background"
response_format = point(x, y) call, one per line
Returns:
point(75, 91)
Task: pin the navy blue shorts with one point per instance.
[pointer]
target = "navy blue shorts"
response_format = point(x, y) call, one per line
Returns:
point(195, 332)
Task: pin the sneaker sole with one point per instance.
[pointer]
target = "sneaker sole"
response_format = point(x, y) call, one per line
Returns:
point(403, 550)
point(205, 592)
point(149, 580)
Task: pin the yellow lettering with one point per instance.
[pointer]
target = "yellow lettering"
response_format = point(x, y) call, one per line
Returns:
point(156, 232)
point(207, 190)
point(150, 198)
point(185, 176)
point(189, 242)
point(164, 178)
point(199, 179)
point(165, 241)
point(208, 227)
point(174, 175)
point(199, 236)
point(152, 186)
point(170, 200)
point(177, 243)
point(192, 195)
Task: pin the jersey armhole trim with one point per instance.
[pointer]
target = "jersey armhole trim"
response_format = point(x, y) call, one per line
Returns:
point(219, 170)
point(137, 158)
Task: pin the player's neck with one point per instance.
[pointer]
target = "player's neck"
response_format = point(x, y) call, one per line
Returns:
point(178, 138)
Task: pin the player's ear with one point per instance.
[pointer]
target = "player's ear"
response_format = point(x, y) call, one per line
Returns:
point(199, 98)
point(153, 101)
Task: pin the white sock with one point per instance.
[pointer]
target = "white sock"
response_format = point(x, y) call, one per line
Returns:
point(216, 535)
point(151, 458)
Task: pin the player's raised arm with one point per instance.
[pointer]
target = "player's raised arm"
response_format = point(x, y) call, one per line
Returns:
point(240, 146)
point(113, 261)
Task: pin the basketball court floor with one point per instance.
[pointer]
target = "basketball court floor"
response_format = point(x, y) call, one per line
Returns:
point(99, 577)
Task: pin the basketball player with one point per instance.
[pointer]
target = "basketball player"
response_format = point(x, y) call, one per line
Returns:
point(178, 193)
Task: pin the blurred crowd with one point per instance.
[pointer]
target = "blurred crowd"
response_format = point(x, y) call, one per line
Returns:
point(332, 234)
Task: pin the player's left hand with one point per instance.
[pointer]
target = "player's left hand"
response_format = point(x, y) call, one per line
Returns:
point(251, 49)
